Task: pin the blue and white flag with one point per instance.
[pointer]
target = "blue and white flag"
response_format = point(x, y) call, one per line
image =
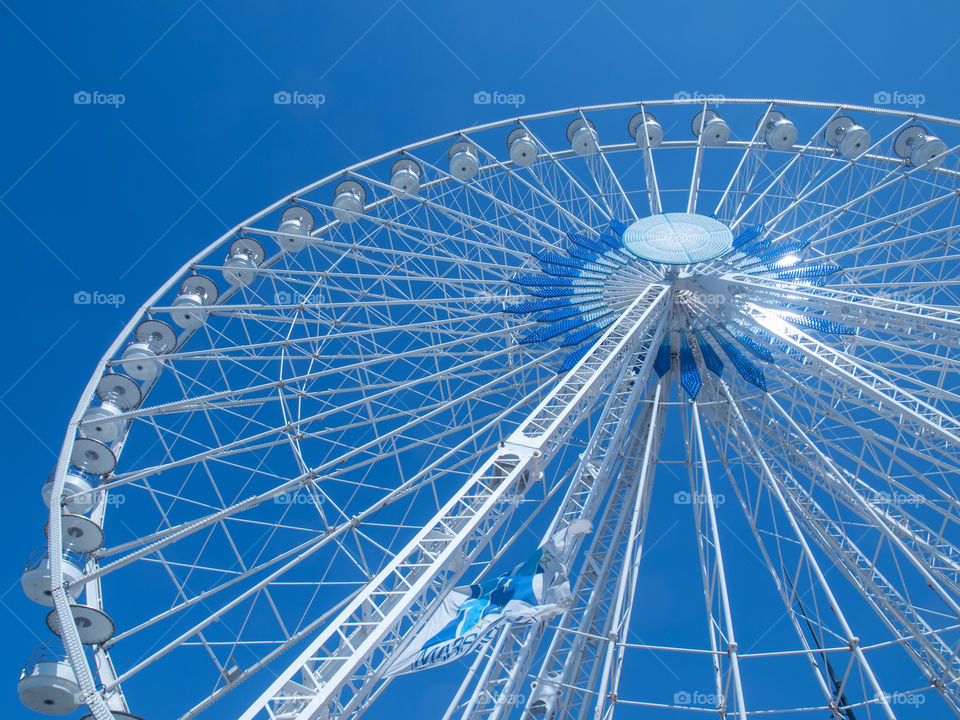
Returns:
point(536, 590)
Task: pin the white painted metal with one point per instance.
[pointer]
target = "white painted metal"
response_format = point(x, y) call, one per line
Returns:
point(382, 336)
point(575, 649)
point(462, 526)
point(596, 472)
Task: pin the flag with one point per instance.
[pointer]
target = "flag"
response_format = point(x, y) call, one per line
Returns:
point(536, 590)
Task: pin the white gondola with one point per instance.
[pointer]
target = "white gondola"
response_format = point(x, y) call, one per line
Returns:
point(464, 160)
point(296, 224)
point(405, 177)
point(919, 148)
point(119, 390)
point(78, 534)
point(523, 148)
point(846, 137)
point(582, 136)
point(101, 423)
point(190, 305)
point(543, 695)
point(48, 684)
point(645, 130)
point(778, 132)
point(36, 578)
point(716, 131)
point(92, 456)
point(244, 259)
point(140, 358)
point(349, 199)
point(79, 498)
point(94, 626)
point(118, 393)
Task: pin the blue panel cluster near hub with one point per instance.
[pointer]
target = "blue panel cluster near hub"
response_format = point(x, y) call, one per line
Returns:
point(530, 280)
point(750, 232)
point(662, 362)
point(569, 300)
point(710, 357)
point(568, 290)
point(748, 369)
point(690, 379)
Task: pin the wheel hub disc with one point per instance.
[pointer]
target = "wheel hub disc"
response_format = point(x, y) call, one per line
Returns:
point(678, 238)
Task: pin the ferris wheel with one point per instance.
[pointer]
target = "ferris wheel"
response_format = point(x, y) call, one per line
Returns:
point(369, 403)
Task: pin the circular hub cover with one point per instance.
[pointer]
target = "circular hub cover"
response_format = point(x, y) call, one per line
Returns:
point(678, 238)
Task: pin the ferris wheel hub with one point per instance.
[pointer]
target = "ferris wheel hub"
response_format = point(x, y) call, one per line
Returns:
point(678, 238)
point(710, 291)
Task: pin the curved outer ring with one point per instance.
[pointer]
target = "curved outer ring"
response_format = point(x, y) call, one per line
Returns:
point(70, 636)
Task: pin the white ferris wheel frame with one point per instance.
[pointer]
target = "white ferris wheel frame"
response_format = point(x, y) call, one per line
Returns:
point(592, 373)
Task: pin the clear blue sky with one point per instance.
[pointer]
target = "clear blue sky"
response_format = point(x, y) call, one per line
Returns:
point(113, 199)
